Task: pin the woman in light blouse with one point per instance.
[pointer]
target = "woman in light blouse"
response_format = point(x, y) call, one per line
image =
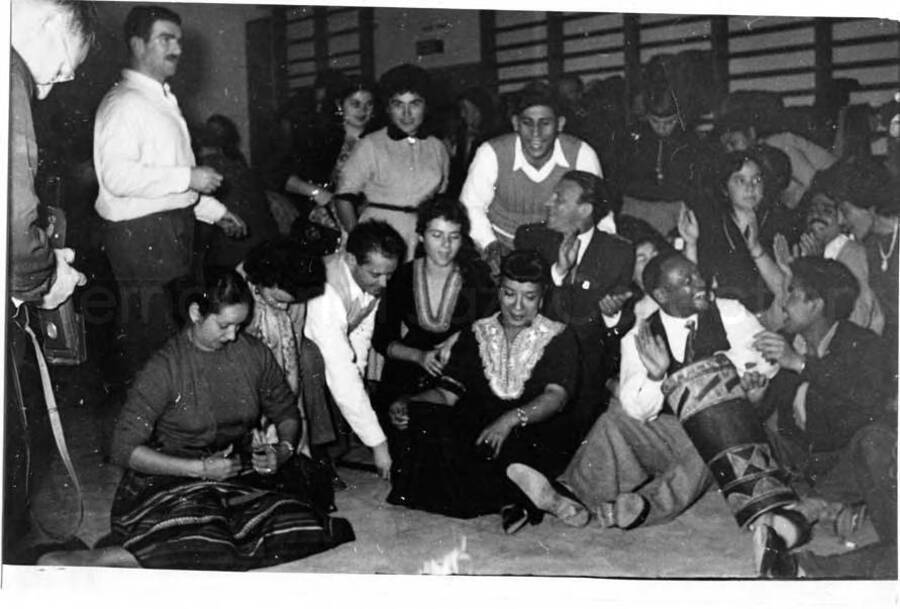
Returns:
point(399, 166)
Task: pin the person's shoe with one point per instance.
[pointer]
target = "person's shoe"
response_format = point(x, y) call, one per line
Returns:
point(337, 483)
point(626, 512)
point(542, 493)
point(513, 518)
point(773, 559)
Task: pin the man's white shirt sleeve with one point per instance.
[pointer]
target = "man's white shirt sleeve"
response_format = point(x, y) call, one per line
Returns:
point(345, 359)
point(641, 397)
point(478, 193)
point(587, 160)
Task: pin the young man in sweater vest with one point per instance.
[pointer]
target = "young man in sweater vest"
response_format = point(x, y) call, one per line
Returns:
point(513, 175)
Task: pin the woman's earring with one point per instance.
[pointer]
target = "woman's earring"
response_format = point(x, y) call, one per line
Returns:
point(339, 111)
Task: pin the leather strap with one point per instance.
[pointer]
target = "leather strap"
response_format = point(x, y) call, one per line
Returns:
point(56, 423)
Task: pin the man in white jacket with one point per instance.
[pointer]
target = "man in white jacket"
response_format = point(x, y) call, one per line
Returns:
point(341, 321)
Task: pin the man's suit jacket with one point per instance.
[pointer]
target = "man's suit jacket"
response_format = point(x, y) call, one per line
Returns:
point(608, 263)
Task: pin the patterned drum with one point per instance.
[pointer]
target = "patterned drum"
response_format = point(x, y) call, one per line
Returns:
point(708, 400)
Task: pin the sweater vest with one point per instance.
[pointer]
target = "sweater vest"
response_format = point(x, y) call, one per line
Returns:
point(517, 199)
point(336, 277)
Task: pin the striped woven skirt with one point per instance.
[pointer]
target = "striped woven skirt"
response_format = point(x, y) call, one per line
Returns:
point(246, 522)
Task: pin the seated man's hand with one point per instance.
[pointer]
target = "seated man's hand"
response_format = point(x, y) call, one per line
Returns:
point(382, 460)
point(205, 179)
point(613, 303)
point(232, 225)
point(399, 414)
point(775, 348)
point(67, 279)
point(652, 352)
point(754, 385)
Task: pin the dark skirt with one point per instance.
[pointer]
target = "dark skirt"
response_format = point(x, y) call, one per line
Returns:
point(438, 468)
point(246, 522)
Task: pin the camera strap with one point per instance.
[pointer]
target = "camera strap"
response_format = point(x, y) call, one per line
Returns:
point(56, 423)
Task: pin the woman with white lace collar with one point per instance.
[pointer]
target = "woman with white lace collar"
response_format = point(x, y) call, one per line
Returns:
point(500, 401)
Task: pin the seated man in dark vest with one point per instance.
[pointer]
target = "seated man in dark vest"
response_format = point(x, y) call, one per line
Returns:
point(591, 267)
point(834, 428)
point(638, 465)
point(511, 176)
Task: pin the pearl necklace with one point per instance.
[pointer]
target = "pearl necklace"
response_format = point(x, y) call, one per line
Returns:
point(886, 256)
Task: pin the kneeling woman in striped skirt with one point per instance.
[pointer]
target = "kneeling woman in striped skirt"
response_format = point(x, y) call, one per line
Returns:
point(202, 489)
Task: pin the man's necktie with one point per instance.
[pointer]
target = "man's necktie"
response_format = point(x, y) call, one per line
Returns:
point(689, 343)
point(570, 276)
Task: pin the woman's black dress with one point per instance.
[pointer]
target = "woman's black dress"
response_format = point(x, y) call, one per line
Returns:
point(441, 469)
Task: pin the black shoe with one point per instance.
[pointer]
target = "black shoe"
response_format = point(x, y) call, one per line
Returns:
point(337, 483)
point(514, 517)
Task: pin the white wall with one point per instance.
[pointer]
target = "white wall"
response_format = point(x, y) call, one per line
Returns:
point(398, 29)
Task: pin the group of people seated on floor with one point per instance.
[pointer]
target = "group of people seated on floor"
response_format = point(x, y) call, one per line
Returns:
point(555, 338)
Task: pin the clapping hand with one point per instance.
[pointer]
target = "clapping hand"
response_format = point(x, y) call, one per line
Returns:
point(751, 233)
point(613, 303)
point(782, 253)
point(652, 351)
point(810, 246)
point(688, 226)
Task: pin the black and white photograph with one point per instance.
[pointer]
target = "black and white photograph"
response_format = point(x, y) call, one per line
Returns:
point(585, 300)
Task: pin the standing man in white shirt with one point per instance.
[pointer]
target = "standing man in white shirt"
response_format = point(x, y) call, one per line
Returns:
point(513, 175)
point(341, 321)
point(150, 187)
